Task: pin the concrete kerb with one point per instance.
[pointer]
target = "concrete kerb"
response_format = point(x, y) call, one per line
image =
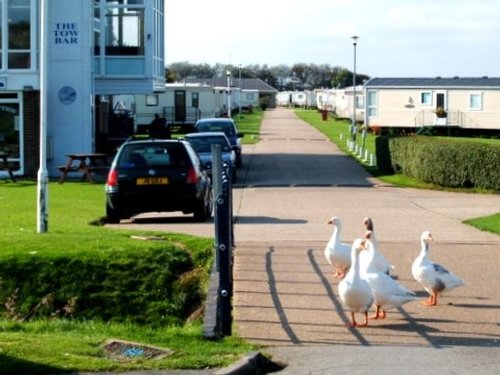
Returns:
point(254, 363)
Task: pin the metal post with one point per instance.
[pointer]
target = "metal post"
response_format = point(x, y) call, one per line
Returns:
point(42, 175)
point(354, 128)
point(223, 240)
point(228, 94)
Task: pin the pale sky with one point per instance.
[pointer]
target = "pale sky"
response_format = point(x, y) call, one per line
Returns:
point(398, 38)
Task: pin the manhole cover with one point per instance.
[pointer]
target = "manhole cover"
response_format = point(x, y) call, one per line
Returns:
point(127, 350)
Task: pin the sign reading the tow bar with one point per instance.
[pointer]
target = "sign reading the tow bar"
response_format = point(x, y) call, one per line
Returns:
point(66, 33)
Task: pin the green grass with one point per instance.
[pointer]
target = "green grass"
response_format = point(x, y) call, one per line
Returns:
point(54, 345)
point(487, 223)
point(59, 346)
point(249, 125)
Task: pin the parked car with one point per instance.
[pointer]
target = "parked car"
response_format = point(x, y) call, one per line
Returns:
point(226, 125)
point(202, 143)
point(157, 175)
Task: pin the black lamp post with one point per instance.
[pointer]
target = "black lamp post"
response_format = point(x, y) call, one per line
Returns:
point(353, 126)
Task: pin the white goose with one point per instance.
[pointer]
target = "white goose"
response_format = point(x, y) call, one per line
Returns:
point(338, 254)
point(432, 276)
point(387, 292)
point(373, 260)
point(354, 292)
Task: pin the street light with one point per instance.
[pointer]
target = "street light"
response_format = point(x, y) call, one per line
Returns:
point(353, 126)
point(239, 95)
point(42, 175)
point(228, 73)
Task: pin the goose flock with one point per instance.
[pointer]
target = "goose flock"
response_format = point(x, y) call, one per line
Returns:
point(365, 274)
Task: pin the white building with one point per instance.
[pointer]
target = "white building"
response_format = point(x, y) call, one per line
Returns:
point(95, 49)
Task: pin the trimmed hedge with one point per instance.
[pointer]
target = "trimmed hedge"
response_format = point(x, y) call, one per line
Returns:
point(446, 163)
point(155, 286)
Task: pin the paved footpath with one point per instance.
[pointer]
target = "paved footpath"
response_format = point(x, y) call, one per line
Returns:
point(286, 298)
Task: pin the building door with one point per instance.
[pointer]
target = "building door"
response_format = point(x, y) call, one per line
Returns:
point(440, 117)
point(440, 100)
point(180, 106)
point(10, 127)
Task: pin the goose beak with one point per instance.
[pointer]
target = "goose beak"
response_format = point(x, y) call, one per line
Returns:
point(329, 221)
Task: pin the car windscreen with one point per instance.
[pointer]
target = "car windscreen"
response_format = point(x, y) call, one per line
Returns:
point(153, 155)
point(204, 144)
point(225, 127)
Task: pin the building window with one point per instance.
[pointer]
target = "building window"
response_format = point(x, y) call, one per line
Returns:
point(152, 100)
point(372, 103)
point(426, 98)
point(125, 32)
point(476, 101)
point(15, 34)
point(119, 27)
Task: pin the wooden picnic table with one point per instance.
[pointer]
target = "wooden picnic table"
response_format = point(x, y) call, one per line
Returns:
point(86, 163)
point(4, 157)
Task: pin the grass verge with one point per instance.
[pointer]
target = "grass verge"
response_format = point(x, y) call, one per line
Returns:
point(489, 223)
point(57, 345)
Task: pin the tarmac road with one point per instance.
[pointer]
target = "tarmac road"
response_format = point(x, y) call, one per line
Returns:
point(285, 296)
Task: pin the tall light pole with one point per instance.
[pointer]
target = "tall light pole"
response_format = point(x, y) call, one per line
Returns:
point(42, 175)
point(353, 127)
point(228, 73)
point(239, 84)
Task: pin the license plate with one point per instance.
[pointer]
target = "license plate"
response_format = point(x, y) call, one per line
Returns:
point(152, 181)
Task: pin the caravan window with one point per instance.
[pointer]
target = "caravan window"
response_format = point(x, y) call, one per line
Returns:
point(475, 101)
point(372, 103)
point(425, 98)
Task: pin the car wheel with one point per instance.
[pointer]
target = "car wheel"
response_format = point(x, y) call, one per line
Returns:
point(204, 209)
point(113, 215)
point(200, 212)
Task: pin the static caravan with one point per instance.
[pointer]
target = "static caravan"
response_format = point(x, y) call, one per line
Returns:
point(284, 98)
point(249, 99)
point(299, 99)
point(460, 103)
point(344, 105)
point(181, 104)
point(235, 99)
point(325, 99)
point(221, 100)
point(310, 99)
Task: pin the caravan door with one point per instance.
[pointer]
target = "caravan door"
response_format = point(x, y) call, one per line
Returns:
point(180, 106)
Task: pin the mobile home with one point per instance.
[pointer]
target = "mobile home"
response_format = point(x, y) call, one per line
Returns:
point(460, 103)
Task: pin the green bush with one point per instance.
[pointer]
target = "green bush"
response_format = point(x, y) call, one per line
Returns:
point(447, 163)
point(264, 102)
point(158, 286)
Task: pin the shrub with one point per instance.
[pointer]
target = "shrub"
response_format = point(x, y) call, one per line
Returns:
point(447, 163)
point(147, 287)
point(264, 102)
